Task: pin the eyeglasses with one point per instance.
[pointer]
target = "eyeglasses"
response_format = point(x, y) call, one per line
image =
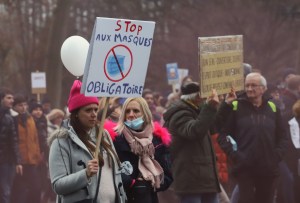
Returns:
point(253, 86)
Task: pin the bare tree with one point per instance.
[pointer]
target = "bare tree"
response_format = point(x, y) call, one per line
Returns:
point(34, 31)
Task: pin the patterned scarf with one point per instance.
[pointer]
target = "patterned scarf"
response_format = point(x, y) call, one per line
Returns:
point(141, 145)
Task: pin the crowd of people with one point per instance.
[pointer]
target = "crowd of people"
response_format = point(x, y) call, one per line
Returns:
point(242, 147)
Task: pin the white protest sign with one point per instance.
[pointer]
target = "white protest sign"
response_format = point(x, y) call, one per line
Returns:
point(118, 58)
point(182, 74)
point(38, 82)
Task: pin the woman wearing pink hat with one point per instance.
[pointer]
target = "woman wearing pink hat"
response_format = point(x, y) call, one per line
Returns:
point(76, 176)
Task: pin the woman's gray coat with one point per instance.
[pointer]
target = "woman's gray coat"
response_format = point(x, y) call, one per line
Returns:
point(67, 162)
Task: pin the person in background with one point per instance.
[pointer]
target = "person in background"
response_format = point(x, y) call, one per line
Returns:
point(159, 103)
point(290, 95)
point(254, 139)
point(9, 148)
point(175, 95)
point(189, 120)
point(149, 97)
point(144, 145)
point(275, 95)
point(293, 157)
point(36, 111)
point(54, 122)
point(46, 105)
point(27, 188)
point(285, 75)
point(157, 97)
point(172, 97)
point(286, 181)
point(74, 172)
point(114, 108)
point(112, 115)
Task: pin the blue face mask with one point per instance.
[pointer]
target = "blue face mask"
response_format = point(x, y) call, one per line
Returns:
point(135, 124)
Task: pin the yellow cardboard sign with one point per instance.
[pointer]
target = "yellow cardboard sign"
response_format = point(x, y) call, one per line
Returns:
point(221, 64)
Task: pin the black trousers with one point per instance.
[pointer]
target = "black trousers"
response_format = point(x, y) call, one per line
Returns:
point(258, 189)
point(27, 187)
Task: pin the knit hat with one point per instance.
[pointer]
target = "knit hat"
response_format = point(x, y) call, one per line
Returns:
point(77, 100)
point(34, 105)
point(55, 113)
point(190, 88)
point(247, 69)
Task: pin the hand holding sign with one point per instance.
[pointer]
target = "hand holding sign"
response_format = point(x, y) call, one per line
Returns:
point(231, 96)
point(213, 99)
point(73, 54)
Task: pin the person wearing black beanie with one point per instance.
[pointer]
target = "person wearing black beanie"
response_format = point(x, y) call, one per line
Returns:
point(194, 168)
point(36, 111)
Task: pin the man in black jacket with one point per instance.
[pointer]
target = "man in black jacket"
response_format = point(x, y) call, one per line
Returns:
point(9, 151)
point(255, 140)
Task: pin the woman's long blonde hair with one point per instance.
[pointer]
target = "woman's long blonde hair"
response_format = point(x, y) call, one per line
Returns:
point(147, 115)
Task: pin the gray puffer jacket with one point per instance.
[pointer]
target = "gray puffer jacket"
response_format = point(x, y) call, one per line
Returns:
point(67, 162)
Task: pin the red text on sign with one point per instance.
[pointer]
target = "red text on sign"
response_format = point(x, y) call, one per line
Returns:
point(129, 26)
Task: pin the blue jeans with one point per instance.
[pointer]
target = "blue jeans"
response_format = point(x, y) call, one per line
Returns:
point(201, 198)
point(7, 173)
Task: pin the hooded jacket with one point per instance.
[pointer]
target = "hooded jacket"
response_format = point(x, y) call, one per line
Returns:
point(192, 154)
point(67, 159)
point(260, 136)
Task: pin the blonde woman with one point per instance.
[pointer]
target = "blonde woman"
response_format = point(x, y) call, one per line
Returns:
point(145, 145)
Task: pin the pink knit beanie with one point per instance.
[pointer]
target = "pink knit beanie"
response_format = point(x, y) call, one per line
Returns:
point(77, 100)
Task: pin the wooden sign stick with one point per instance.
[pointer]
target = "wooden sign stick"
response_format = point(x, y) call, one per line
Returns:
point(101, 127)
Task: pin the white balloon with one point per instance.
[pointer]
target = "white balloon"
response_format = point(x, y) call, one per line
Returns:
point(73, 54)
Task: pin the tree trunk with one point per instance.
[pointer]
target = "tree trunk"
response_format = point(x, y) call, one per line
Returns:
point(53, 65)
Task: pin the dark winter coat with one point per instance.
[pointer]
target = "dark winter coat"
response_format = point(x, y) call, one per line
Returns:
point(9, 148)
point(161, 140)
point(41, 126)
point(260, 136)
point(192, 154)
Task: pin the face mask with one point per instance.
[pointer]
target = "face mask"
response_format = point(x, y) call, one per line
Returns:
point(135, 124)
